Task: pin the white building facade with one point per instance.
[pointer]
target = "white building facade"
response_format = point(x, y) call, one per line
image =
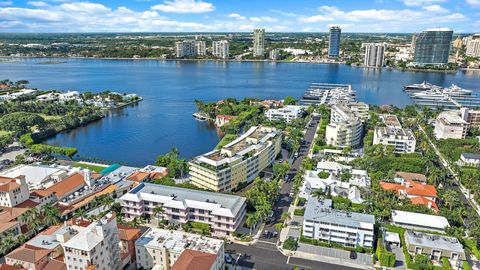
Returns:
point(449, 125)
point(221, 49)
point(286, 113)
point(374, 54)
point(402, 140)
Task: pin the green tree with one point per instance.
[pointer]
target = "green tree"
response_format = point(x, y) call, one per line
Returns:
point(251, 221)
point(290, 100)
point(51, 215)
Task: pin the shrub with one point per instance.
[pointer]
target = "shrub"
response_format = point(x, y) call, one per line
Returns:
point(290, 244)
point(299, 212)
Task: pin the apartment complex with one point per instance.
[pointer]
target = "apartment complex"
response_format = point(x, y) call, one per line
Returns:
point(346, 127)
point(473, 46)
point(94, 245)
point(324, 223)
point(188, 48)
point(258, 42)
point(402, 140)
point(432, 47)
point(223, 212)
point(287, 113)
point(274, 54)
point(239, 161)
point(374, 54)
point(450, 125)
point(434, 245)
point(169, 250)
point(334, 41)
point(471, 116)
point(13, 191)
point(221, 49)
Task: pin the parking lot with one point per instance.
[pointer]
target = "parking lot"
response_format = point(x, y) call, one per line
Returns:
point(333, 255)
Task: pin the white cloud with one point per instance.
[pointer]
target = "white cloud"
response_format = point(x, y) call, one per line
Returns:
point(473, 2)
point(184, 6)
point(316, 18)
point(236, 16)
point(288, 14)
point(263, 19)
point(436, 8)
point(6, 3)
point(421, 2)
point(37, 4)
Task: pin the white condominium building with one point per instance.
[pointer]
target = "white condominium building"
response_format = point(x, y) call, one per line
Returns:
point(221, 49)
point(287, 113)
point(174, 250)
point(13, 191)
point(239, 161)
point(188, 48)
point(350, 229)
point(374, 54)
point(449, 125)
point(96, 245)
point(346, 127)
point(401, 139)
point(223, 212)
point(258, 42)
point(473, 48)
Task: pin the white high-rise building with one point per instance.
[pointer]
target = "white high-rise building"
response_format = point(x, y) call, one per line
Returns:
point(374, 54)
point(188, 48)
point(221, 49)
point(450, 125)
point(346, 128)
point(258, 42)
point(473, 48)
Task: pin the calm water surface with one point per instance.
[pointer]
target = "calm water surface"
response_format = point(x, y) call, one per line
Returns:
point(137, 134)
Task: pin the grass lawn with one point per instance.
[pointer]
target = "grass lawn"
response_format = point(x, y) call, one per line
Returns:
point(95, 168)
point(50, 117)
point(228, 138)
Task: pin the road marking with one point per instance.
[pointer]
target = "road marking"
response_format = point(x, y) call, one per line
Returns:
point(299, 265)
point(266, 242)
point(288, 260)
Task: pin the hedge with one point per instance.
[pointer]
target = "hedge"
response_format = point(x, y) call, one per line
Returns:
point(49, 149)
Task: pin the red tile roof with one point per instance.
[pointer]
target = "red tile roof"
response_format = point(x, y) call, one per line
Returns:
point(10, 267)
point(194, 260)
point(29, 254)
point(8, 184)
point(407, 176)
point(138, 176)
point(55, 265)
point(127, 233)
point(411, 188)
point(428, 203)
point(75, 181)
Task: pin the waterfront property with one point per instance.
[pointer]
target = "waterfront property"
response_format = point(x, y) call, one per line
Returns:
point(38, 176)
point(346, 127)
point(174, 250)
point(324, 223)
point(449, 125)
point(471, 116)
point(434, 245)
point(224, 213)
point(416, 221)
point(221, 49)
point(258, 42)
point(402, 140)
point(432, 47)
point(334, 41)
point(374, 54)
point(237, 162)
point(287, 113)
point(327, 93)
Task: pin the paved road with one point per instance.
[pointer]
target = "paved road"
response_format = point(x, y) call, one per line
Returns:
point(264, 255)
point(285, 200)
point(465, 192)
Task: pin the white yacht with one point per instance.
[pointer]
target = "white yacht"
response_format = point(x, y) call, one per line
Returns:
point(456, 90)
point(430, 94)
point(418, 87)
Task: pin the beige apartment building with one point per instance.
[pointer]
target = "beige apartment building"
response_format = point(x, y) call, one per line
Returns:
point(239, 161)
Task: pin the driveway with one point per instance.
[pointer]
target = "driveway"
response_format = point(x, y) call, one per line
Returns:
point(334, 256)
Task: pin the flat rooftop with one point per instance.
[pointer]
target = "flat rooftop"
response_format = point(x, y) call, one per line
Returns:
point(231, 202)
point(416, 219)
point(433, 241)
point(321, 211)
point(390, 120)
point(396, 132)
point(179, 241)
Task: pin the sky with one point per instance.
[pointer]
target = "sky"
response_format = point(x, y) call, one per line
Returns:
point(382, 16)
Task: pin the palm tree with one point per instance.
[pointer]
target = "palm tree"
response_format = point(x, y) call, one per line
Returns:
point(31, 218)
point(106, 200)
point(158, 212)
point(451, 199)
point(80, 213)
point(251, 221)
point(51, 215)
point(137, 221)
point(318, 193)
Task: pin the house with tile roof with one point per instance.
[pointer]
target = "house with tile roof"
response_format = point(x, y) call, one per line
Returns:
point(417, 192)
point(127, 236)
point(10, 221)
point(195, 260)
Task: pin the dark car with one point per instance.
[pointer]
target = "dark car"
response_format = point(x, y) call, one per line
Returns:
point(353, 255)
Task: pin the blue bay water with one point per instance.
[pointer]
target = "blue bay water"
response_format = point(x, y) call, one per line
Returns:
point(136, 135)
